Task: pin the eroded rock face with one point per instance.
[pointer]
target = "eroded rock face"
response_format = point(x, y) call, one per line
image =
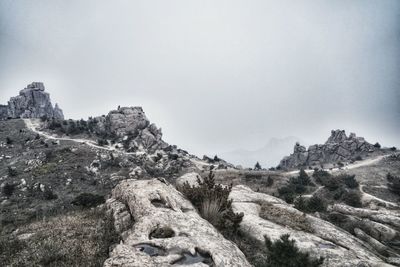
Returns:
point(32, 102)
point(313, 235)
point(166, 231)
point(338, 148)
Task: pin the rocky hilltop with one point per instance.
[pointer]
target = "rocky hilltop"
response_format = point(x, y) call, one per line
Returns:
point(32, 102)
point(338, 148)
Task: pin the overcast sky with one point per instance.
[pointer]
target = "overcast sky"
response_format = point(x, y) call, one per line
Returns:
point(215, 75)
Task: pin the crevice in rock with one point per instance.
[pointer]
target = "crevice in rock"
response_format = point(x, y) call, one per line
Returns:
point(198, 257)
point(162, 232)
point(151, 250)
point(160, 203)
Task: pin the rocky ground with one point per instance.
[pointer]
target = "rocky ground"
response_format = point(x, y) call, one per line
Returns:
point(110, 192)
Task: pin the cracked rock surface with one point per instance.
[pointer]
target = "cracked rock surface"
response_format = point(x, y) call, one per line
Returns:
point(313, 235)
point(166, 229)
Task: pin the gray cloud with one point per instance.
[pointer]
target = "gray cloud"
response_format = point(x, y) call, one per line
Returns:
point(215, 75)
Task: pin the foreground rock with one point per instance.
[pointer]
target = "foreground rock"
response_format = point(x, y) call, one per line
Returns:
point(167, 229)
point(338, 148)
point(313, 235)
point(32, 102)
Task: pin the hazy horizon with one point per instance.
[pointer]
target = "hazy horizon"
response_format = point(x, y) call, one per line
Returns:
point(216, 76)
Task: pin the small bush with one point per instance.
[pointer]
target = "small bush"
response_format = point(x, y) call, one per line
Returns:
point(377, 145)
point(393, 148)
point(102, 142)
point(297, 185)
point(358, 158)
point(49, 195)
point(321, 176)
point(9, 141)
point(285, 253)
point(8, 189)
point(313, 204)
point(257, 166)
point(88, 200)
point(12, 171)
point(350, 181)
point(270, 181)
point(394, 183)
point(212, 201)
point(352, 198)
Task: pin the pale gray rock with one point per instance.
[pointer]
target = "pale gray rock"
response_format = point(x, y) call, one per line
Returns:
point(338, 148)
point(32, 102)
point(312, 234)
point(155, 207)
point(191, 178)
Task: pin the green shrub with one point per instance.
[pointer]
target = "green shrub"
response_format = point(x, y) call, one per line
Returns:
point(321, 176)
point(377, 145)
point(257, 166)
point(352, 198)
point(12, 171)
point(9, 141)
point(270, 181)
point(394, 183)
point(102, 142)
point(284, 253)
point(313, 204)
point(349, 181)
point(8, 189)
point(358, 158)
point(88, 200)
point(297, 185)
point(393, 148)
point(212, 202)
point(48, 194)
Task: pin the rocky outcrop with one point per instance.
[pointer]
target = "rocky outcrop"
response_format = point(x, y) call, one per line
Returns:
point(32, 102)
point(159, 227)
point(338, 148)
point(131, 126)
point(270, 216)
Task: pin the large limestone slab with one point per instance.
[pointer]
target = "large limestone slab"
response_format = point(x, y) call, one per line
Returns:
point(313, 235)
point(166, 230)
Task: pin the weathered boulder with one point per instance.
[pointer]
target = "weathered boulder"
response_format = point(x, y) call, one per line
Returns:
point(338, 148)
point(167, 230)
point(270, 216)
point(191, 178)
point(32, 102)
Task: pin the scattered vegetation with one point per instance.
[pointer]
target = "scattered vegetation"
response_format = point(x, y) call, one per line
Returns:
point(270, 181)
point(312, 204)
point(90, 233)
point(377, 145)
point(88, 200)
point(284, 253)
point(9, 141)
point(102, 142)
point(8, 189)
point(352, 198)
point(12, 171)
point(212, 202)
point(297, 185)
point(394, 183)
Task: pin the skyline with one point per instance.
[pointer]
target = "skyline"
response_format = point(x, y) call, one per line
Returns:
point(214, 76)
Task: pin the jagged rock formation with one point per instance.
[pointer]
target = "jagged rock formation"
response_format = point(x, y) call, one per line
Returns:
point(130, 126)
point(32, 102)
point(338, 148)
point(159, 227)
point(268, 215)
